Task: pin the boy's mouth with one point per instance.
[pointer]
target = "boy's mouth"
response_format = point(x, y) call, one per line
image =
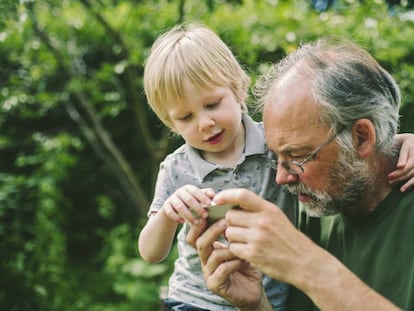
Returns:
point(216, 138)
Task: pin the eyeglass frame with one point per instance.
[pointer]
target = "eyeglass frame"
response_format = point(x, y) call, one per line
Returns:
point(287, 164)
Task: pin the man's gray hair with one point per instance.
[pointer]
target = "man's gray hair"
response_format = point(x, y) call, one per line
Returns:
point(347, 83)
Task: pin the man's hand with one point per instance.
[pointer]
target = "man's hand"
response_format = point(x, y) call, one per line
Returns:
point(230, 277)
point(260, 233)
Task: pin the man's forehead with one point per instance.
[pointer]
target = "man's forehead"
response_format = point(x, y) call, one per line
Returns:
point(290, 102)
point(290, 113)
point(294, 135)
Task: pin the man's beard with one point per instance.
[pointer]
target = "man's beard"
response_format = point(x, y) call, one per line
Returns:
point(350, 173)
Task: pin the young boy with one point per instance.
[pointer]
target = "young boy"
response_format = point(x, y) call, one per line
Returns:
point(198, 89)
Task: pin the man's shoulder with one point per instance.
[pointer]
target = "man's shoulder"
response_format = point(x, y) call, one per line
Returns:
point(407, 197)
point(398, 202)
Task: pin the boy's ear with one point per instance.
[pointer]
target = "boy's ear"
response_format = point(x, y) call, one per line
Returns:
point(364, 137)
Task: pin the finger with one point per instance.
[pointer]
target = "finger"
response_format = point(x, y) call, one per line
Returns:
point(403, 156)
point(182, 209)
point(195, 232)
point(401, 175)
point(218, 244)
point(209, 192)
point(397, 175)
point(202, 196)
point(195, 199)
point(240, 250)
point(221, 275)
point(217, 257)
point(408, 185)
point(171, 213)
point(243, 198)
point(239, 218)
point(205, 242)
point(406, 142)
point(237, 234)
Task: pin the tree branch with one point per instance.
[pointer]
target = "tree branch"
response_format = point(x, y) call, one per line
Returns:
point(114, 158)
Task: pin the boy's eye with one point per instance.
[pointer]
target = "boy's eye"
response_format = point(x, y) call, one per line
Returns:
point(212, 105)
point(185, 117)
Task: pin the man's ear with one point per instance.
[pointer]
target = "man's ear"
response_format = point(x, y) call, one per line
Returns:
point(364, 137)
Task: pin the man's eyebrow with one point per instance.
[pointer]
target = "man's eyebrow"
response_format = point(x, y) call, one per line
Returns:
point(293, 150)
point(300, 149)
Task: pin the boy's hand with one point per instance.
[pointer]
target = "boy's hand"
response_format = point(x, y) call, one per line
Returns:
point(188, 204)
point(405, 164)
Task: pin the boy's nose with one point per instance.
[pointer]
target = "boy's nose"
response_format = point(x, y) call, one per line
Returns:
point(205, 122)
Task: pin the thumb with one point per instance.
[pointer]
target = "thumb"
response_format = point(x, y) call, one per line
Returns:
point(195, 232)
point(243, 198)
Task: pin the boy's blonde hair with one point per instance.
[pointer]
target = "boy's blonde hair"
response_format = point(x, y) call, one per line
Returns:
point(193, 53)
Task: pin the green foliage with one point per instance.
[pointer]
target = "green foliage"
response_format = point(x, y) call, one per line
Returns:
point(80, 148)
point(32, 208)
point(135, 280)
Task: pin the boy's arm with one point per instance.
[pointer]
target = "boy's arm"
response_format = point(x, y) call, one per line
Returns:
point(156, 237)
point(405, 165)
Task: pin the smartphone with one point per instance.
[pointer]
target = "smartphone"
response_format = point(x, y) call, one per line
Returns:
point(215, 212)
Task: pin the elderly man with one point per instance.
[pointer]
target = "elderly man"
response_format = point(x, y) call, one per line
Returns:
point(330, 112)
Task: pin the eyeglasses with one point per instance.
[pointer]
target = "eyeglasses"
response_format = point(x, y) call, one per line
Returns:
point(296, 168)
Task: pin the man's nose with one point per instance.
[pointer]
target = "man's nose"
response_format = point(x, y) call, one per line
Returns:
point(283, 177)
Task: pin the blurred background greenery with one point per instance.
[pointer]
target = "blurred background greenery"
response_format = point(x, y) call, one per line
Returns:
point(80, 149)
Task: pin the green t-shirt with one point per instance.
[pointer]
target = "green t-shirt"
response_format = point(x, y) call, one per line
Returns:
point(378, 248)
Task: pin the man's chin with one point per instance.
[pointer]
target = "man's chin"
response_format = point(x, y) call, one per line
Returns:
point(310, 209)
point(308, 202)
point(316, 210)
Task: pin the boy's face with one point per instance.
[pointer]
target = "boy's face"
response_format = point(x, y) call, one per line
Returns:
point(209, 120)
